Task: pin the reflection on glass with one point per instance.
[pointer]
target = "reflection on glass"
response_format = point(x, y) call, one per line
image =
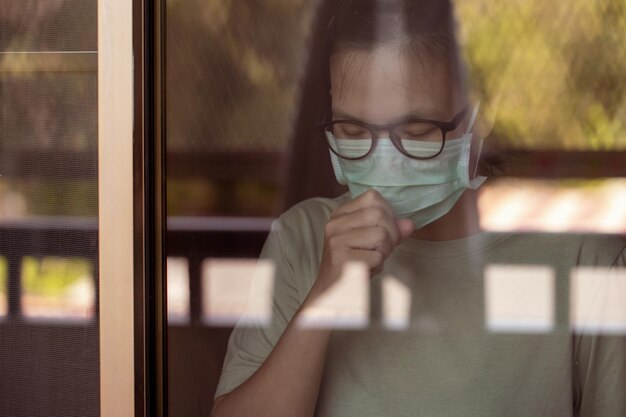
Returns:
point(3, 286)
point(396, 304)
point(237, 290)
point(598, 300)
point(57, 288)
point(177, 290)
point(345, 305)
point(554, 206)
point(519, 299)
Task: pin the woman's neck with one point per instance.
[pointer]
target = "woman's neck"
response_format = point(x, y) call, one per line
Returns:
point(461, 221)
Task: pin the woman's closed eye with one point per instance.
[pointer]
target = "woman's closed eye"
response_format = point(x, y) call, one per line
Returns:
point(418, 131)
point(350, 131)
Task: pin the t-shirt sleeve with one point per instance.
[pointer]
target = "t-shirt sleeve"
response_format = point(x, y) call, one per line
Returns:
point(600, 346)
point(251, 342)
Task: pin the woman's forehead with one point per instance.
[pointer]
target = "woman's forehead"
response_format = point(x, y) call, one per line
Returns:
point(388, 83)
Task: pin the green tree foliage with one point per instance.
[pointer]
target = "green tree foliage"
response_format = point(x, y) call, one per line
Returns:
point(233, 76)
point(47, 112)
point(53, 276)
point(554, 73)
point(233, 72)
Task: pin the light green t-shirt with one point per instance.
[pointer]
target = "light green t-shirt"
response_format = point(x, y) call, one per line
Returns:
point(453, 366)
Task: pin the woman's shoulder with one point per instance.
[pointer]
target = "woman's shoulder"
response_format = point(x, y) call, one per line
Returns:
point(310, 214)
point(297, 237)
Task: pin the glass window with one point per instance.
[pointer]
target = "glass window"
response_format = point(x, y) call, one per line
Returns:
point(49, 355)
point(405, 205)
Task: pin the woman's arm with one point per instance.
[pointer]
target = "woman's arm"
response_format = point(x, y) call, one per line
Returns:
point(288, 381)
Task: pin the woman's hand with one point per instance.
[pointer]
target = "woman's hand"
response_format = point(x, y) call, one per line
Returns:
point(288, 381)
point(363, 230)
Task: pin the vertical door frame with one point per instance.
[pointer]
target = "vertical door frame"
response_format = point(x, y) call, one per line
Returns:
point(131, 173)
point(115, 207)
point(150, 213)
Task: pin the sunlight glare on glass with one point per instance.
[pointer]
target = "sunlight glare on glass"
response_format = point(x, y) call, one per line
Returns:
point(519, 299)
point(396, 304)
point(598, 206)
point(177, 290)
point(345, 305)
point(598, 300)
point(237, 291)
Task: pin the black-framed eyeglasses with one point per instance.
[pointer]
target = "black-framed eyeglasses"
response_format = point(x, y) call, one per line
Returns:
point(415, 138)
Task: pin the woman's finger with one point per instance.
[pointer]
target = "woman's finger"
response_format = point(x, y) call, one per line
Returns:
point(367, 199)
point(370, 238)
point(363, 218)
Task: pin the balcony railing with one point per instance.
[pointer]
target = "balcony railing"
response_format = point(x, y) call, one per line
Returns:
point(72, 345)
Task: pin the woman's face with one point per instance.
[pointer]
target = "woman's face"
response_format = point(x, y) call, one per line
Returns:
point(390, 84)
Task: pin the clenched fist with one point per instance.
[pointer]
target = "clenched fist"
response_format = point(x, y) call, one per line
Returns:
point(364, 229)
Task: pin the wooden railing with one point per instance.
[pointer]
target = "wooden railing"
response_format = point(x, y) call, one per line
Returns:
point(65, 354)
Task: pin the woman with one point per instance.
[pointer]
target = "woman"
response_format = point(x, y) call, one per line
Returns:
point(400, 129)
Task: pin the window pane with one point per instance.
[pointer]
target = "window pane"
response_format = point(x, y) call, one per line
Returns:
point(475, 282)
point(49, 355)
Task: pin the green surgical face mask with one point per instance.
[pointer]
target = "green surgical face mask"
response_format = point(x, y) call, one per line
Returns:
point(420, 190)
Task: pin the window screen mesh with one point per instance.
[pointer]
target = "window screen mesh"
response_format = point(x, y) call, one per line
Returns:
point(49, 341)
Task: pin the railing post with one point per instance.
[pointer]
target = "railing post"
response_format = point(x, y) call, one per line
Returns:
point(195, 289)
point(14, 285)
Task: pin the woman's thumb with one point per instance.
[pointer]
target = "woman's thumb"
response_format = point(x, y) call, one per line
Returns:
point(406, 227)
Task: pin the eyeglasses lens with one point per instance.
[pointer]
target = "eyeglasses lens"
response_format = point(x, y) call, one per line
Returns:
point(417, 139)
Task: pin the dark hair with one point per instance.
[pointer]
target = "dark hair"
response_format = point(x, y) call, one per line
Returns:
point(424, 27)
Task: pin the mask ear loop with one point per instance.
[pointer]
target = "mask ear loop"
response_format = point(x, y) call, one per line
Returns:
point(469, 130)
point(473, 118)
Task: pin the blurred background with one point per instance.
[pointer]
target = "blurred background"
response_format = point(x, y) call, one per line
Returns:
point(49, 333)
point(48, 139)
point(551, 76)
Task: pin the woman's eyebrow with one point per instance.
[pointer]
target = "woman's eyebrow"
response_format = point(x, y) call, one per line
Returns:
point(424, 113)
point(343, 115)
